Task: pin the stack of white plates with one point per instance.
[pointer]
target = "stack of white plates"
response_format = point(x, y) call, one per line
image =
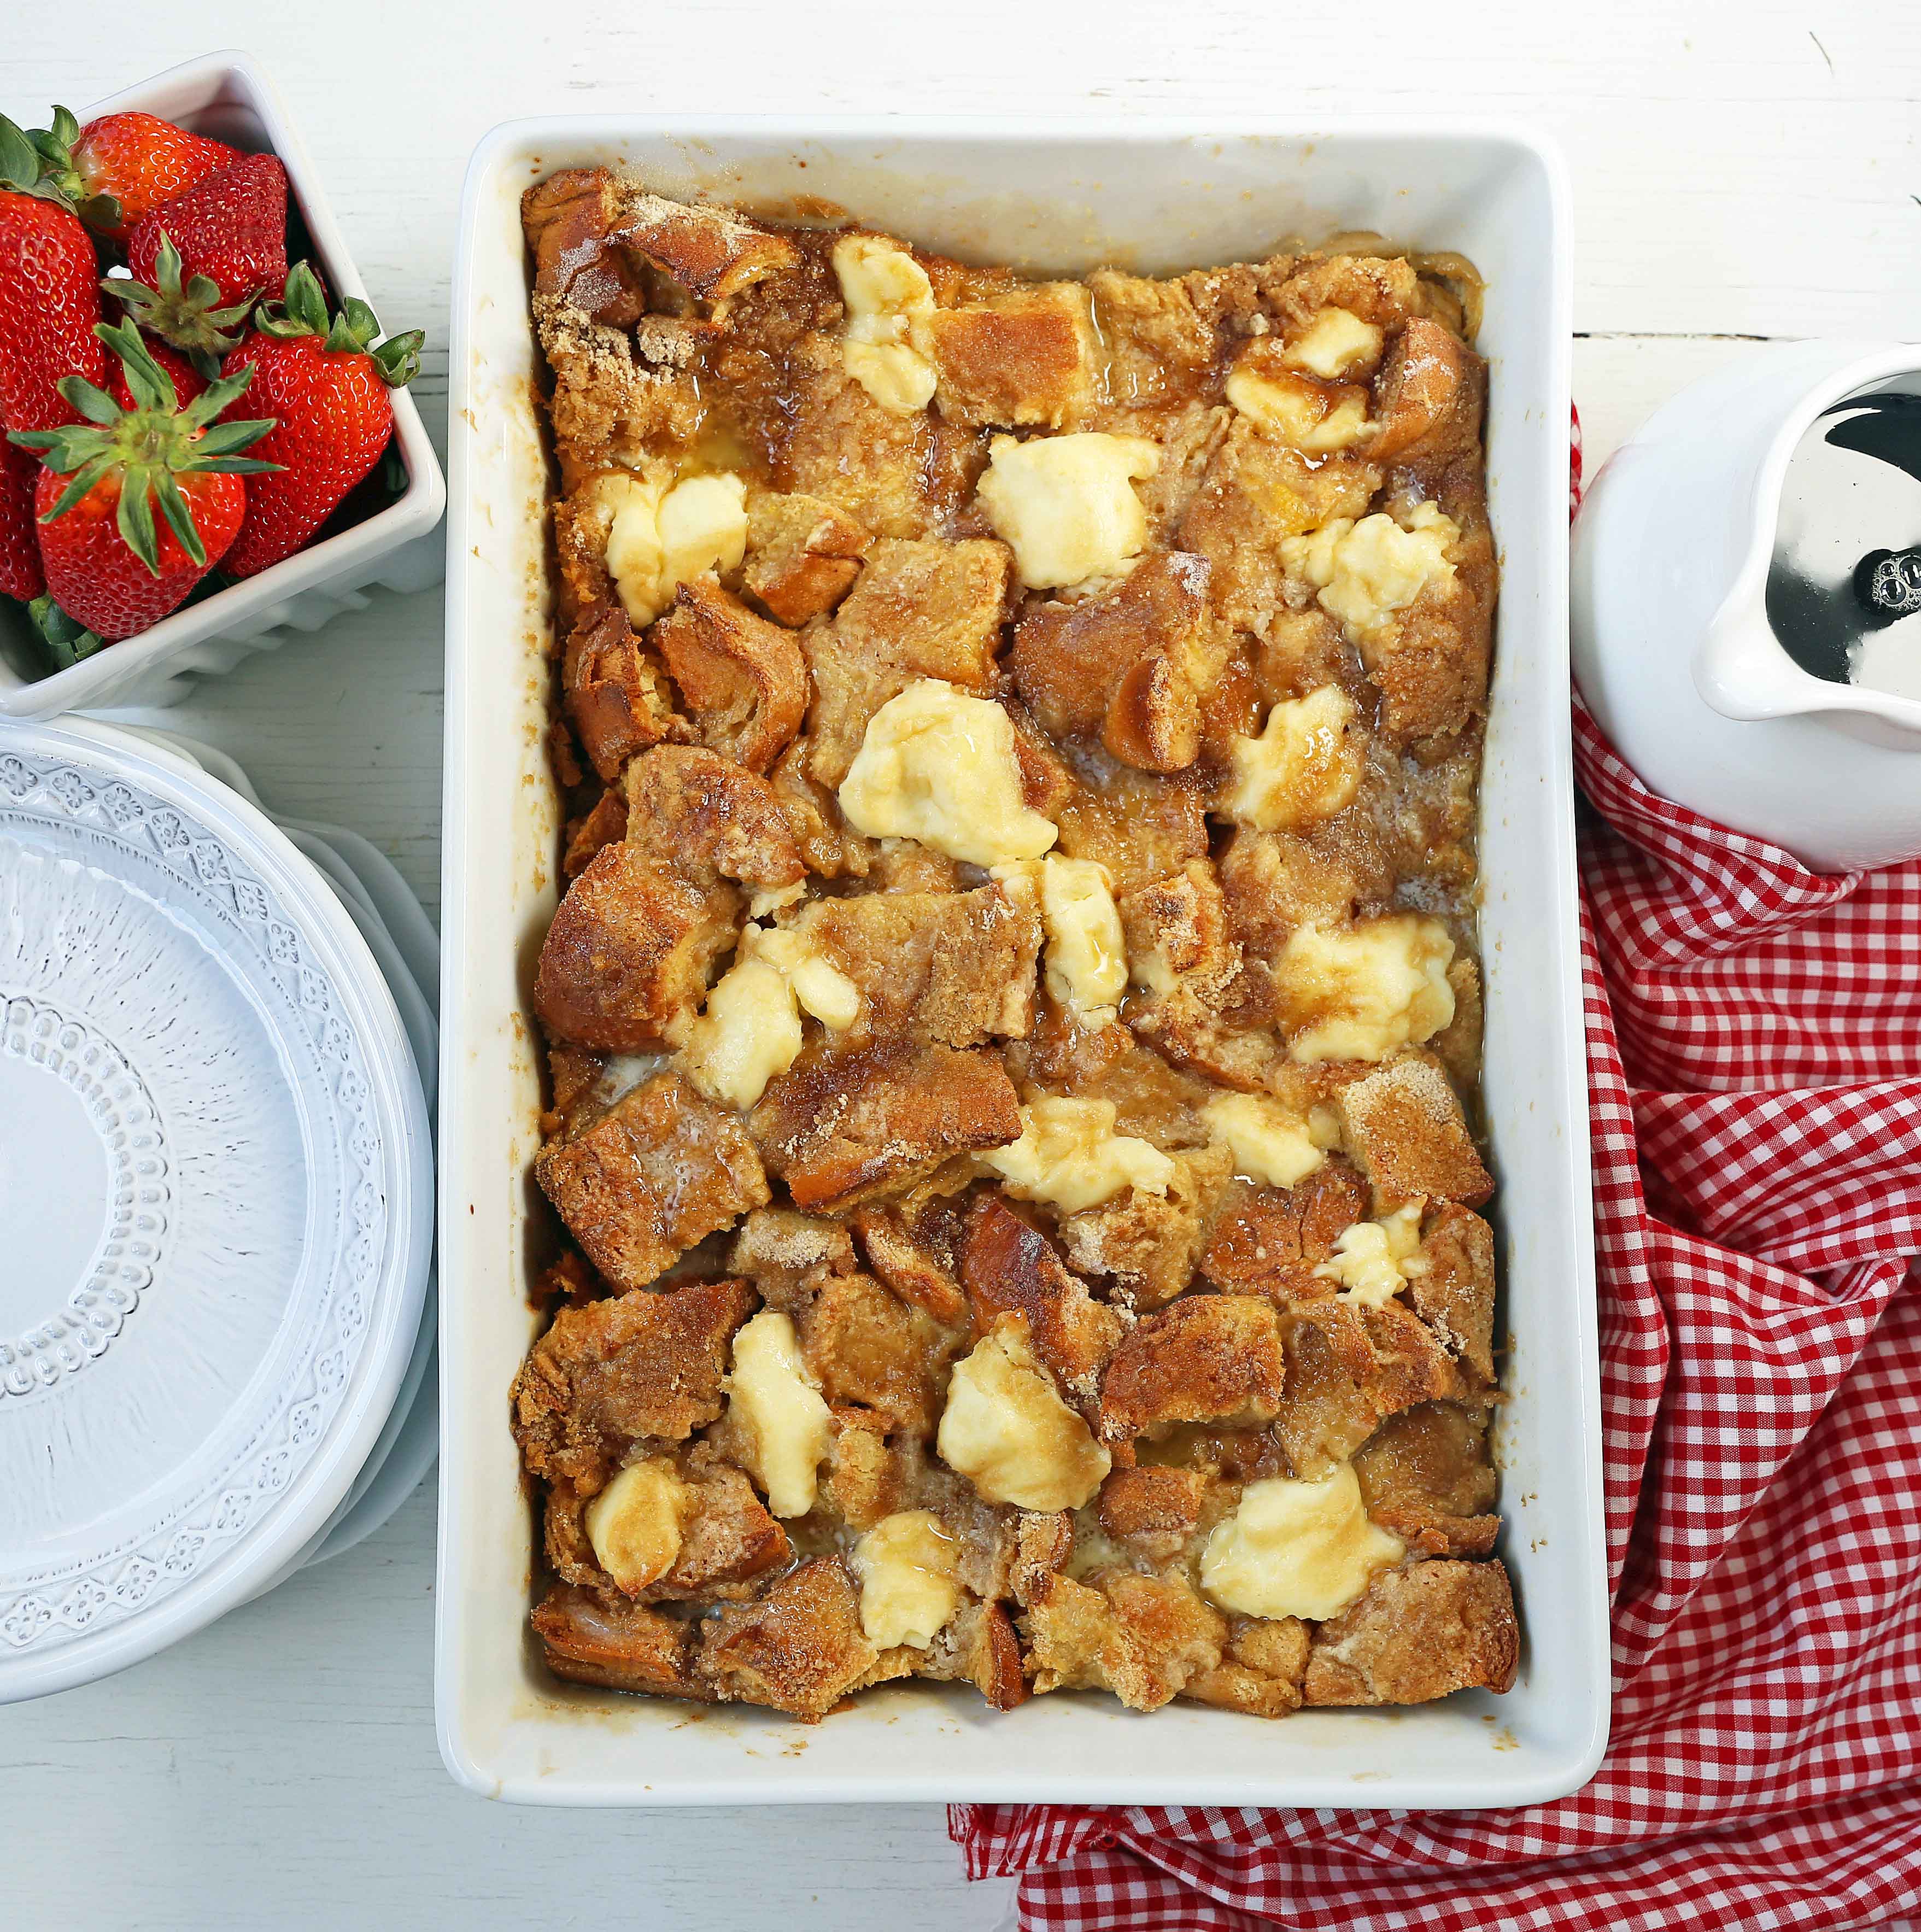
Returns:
point(216, 1197)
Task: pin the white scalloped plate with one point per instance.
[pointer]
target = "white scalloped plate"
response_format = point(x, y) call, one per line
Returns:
point(215, 1171)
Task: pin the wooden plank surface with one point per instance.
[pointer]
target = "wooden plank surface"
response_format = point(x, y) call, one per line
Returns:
point(1740, 172)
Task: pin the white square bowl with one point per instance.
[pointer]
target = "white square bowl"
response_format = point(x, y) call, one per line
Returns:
point(226, 96)
point(1160, 197)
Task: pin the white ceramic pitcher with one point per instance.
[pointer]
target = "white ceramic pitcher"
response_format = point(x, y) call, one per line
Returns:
point(1672, 647)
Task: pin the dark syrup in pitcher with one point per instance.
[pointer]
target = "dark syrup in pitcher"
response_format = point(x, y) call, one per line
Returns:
point(1844, 588)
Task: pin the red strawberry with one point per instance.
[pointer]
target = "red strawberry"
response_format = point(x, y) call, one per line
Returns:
point(20, 573)
point(187, 318)
point(140, 162)
point(187, 381)
point(327, 387)
point(109, 565)
point(123, 166)
point(230, 226)
point(49, 302)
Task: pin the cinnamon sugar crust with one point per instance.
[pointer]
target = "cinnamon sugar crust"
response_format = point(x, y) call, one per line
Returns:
point(1013, 1019)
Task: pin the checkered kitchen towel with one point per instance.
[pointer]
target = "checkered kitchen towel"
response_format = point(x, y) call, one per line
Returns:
point(1754, 1064)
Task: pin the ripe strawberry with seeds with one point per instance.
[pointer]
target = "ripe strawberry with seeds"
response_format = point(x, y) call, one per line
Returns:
point(49, 302)
point(109, 565)
point(326, 386)
point(118, 169)
point(20, 573)
point(230, 226)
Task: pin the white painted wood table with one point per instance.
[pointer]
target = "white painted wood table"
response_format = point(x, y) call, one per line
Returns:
point(1742, 171)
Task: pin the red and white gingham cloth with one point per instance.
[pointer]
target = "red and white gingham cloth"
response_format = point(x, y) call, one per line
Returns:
point(1754, 1069)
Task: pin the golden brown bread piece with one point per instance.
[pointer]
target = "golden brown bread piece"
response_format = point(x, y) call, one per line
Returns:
point(922, 608)
point(799, 1649)
point(608, 1375)
point(741, 678)
point(1403, 1126)
point(616, 697)
point(1008, 1267)
point(1156, 1510)
point(1271, 1240)
point(839, 1128)
point(1426, 1475)
point(1206, 1358)
point(1018, 360)
point(627, 960)
point(1144, 1638)
point(1128, 666)
point(661, 1169)
point(870, 1349)
point(622, 1647)
point(1418, 1633)
point(954, 968)
point(802, 555)
point(707, 819)
point(1147, 1244)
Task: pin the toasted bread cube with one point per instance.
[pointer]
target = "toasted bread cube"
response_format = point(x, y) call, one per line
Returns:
point(1418, 1634)
point(605, 825)
point(1455, 1292)
point(979, 1647)
point(788, 1256)
point(1417, 386)
point(617, 698)
point(800, 1649)
point(1015, 360)
point(662, 1169)
point(1160, 345)
point(898, 475)
point(840, 1127)
point(712, 253)
point(1260, 1671)
point(709, 819)
point(1136, 826)
point(625, 963)
point(742, 678)
point(1147, 1244)
point(1143, 1638)
point(916, 1253)
point(1348, 1368)
point(803, 556)
point(1206, 1358)
point(954, 968)
point(1427, 1474)
point(1128, 665)
point(729, 1542)
point(866, 1478)
point(921, 609)
point(1158, 1511)
point(629, 1648)
point(1271, 1240)
point(1177, 929)
point(609, 1374)
point(1404, 1127)
point(569, 219)
point(871, 1350)
point(1257, 490)
point(1008, 1267)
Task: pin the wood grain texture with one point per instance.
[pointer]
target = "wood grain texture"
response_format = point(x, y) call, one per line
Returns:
point(1738, 171)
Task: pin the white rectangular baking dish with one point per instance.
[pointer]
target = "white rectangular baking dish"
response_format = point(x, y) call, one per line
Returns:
point(226, 96)
point(1159, 197)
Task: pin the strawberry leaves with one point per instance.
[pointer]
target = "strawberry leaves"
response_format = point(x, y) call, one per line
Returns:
point(188, 315)
point(39, 161)
point(302, 310)
point(149, 446)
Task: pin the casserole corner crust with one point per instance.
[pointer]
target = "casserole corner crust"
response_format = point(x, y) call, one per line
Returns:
point(1010, 1014)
